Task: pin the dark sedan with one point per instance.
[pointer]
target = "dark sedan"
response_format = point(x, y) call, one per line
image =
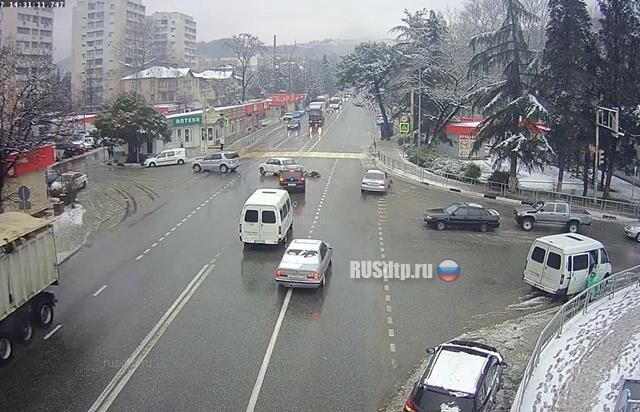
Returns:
point(294, 124)
point(462, 214)
point(293, 177)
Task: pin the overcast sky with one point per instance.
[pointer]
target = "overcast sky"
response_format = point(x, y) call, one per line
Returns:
point(299, 20)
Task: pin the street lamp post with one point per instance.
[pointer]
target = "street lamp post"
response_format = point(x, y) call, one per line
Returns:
point(633, 186)
point(419, 106)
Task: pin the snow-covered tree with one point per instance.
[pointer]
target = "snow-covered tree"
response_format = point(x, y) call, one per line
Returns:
point(619, 79)
point(507, 104)
point(131, 120)
point(531, 148)
point(245, 47)
point(369, 69)
point(34, 105)
point(567, 80)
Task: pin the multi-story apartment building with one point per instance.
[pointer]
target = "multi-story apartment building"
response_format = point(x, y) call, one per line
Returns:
point(174, 39)
point(29, 33)
point(109, 41)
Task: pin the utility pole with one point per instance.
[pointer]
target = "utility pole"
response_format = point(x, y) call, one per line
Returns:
point(413, 120)
point(275, 77)
point(289, 64)
point(419, 107)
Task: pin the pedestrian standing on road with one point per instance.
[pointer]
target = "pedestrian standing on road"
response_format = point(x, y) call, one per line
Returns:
point(110, 152)
point(181, 145)
point(221, 143)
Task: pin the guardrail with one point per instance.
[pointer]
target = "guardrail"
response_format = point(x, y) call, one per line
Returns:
point(253, 138)
point(578, 304)
point(502, 190)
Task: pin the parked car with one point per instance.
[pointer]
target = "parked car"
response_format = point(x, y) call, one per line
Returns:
point(275, 165)
point(293, 177)
point(167, 157)
point(73, 181)
point(222, 161)
point(293, 124)
point(305, 264)
point(82, 146)
point(632, 230)
point(52, 176)
point(265, 122)
point(463, 214)
point(461, 376)
point(287, 116)
point(375, 180)
point(552, 213)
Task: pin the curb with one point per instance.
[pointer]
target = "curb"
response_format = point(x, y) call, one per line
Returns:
point(598, 216)
point(71, 159)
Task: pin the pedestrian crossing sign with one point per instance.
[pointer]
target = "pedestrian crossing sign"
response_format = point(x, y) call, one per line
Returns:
point(405, 127)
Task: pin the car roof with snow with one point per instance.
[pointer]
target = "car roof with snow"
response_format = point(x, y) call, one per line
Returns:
point(459, 365)
point(374, 171)
point(301, 252)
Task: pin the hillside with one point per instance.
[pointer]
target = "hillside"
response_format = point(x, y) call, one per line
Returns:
point(218, 48)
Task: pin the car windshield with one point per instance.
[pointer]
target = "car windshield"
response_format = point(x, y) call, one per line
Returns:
point(288, 162)
point(374, 176)
point(233, 155)
point(451, 209)
point(430, 399)
point(302, 253)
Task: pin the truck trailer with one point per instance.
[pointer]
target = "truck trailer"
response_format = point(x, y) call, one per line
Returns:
point(28, 268)
point(316, 114)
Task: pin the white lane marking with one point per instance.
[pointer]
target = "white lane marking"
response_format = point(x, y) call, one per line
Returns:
point(154, 245)
point(381, 249)
point(50, 334)
point(139, 257)
point(387, 298)
point(173, 228)
point(386, 279)
point(392, 347)
point(99, 291)
point(198, 208)
point(117, 384)
point(386, 288)
point(179, 224)
point(184, 220)
point(389, 320)
point(161, 239)
point(392, 333)
point(267, 356)
point(381, 239)
point(388, 308)
point(203, 204)
point(146, 251)
point(167, 234)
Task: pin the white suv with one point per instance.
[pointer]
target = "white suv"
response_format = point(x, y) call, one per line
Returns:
point(275, 165)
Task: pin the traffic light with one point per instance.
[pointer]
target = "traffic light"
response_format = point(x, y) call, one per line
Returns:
point(601, 157)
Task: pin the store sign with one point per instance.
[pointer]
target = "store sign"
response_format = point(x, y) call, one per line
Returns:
point(186, 120)
point(465, 145)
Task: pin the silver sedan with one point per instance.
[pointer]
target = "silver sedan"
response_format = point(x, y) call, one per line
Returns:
point(375, 181)
point(305, 264)
point(632, 230)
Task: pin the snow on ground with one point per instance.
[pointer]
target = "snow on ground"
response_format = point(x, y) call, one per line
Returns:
point(530, 304)
point(589, 357)
point(546, 180)
point(514, 339)
point(68, 228)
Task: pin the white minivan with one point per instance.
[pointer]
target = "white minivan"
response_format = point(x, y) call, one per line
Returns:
point(267, 217)
point(560, 264)
point(167, 157)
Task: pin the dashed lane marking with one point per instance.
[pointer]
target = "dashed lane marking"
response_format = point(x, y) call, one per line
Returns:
point(99, 291)
point(50, 334)
point(139, 257)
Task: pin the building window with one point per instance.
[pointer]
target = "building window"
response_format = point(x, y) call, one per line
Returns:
point(179, 133)
point(210, 134)
point(186, 135)
point(24, 30)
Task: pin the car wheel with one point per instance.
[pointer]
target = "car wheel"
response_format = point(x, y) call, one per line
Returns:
point(638, 237)
point(24, 331)
point(441, 225)
point(152, 164)
point(484, 227)
point(84, 184)
point(573, 227)
point(262, 171)
point(197, 168)
point(6, 348)
point(324, 280)
point(224, 168)
point(527, 224)
point(180, 162)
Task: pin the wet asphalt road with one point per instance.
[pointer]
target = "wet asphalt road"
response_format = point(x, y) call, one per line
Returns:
point(340, 348)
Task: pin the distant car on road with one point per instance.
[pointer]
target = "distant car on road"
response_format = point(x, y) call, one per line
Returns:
point(461, 376)
point(293, 124)
point(73, 181)
point(632, 230)
point(287, 117)
point(375, 180)
point(305, 264)
point(222, 161)
point(298, 114)
point(293, 177)
point(463, 214)
point(275, 165)
point(551, 213)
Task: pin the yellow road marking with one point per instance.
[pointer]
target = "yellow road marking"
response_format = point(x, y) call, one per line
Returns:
point(327, 155)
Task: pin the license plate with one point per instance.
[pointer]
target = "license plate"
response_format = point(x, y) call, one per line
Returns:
point(259, 241)
point(292, 184)
point(297, 276)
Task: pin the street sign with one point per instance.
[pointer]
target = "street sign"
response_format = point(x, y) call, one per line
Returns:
point(405, 128)
point(24, 194)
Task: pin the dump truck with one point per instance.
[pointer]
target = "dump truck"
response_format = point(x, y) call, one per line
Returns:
point(28, 268)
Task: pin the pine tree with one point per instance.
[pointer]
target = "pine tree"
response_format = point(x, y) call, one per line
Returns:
point(619, 78)
point(507, 105)
point(568, 79)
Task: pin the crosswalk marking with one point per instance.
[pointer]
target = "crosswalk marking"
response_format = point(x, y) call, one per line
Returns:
point(327, 155)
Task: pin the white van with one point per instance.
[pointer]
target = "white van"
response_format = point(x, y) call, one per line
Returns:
point(167, 157)
point(267, 217)
point(560, 264)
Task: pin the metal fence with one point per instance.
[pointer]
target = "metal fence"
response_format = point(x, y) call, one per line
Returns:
point(577, 305)
point(253, 138)
point(500, 189)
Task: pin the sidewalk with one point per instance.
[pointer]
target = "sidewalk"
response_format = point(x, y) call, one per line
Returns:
point(397, 164)
point(581, 370)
